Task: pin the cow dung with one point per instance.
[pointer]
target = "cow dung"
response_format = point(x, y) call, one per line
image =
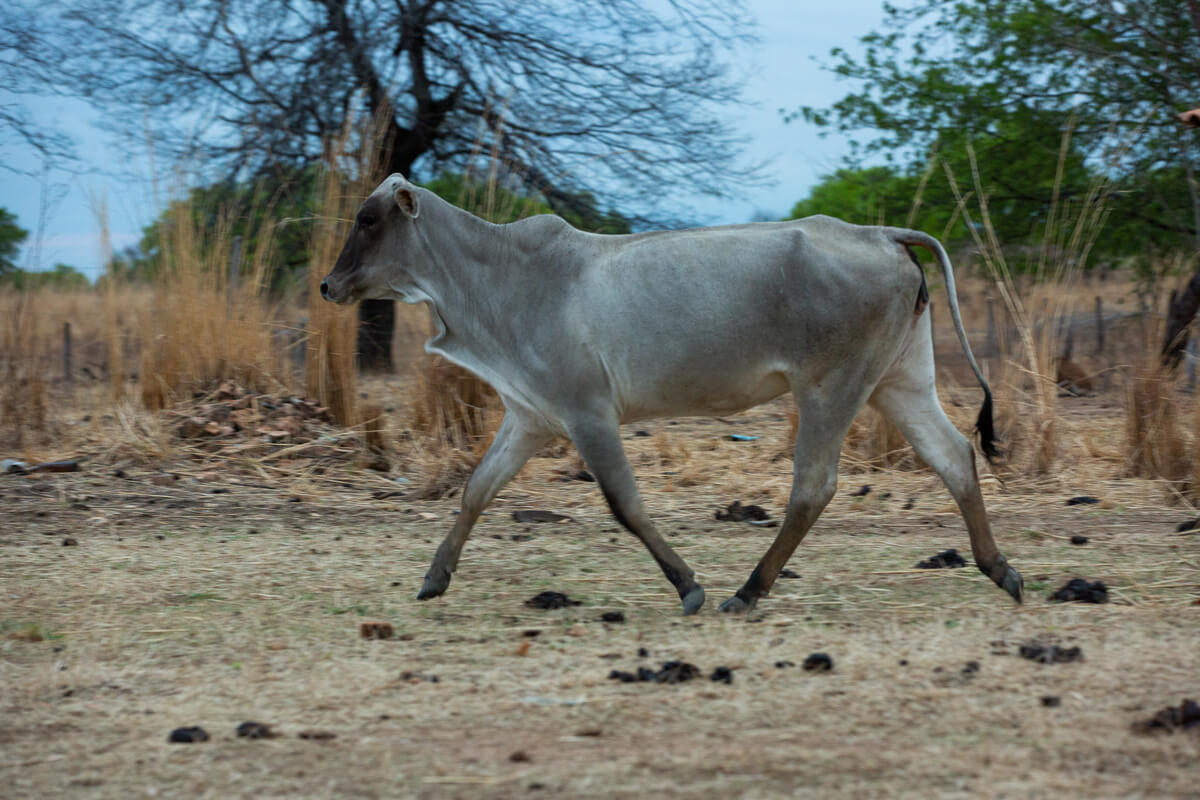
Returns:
point(736, 512)
point(1077, 590)
point(255, 730)
point(671, 672)
point(1171, 719)
point(721, 675)
point(1044, 653)
point(189, 735)
point(818, 662)
point(947, 559)
point(550, 600)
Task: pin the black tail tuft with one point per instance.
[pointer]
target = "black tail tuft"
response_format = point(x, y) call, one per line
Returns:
point(986, 427)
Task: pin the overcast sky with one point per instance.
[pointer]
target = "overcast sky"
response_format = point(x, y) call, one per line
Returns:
point(783, 74)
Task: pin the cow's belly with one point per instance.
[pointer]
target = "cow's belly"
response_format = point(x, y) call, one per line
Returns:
point(713, 394)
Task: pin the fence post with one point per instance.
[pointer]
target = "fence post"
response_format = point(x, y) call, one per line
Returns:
point(235, 265)
point(1099, 326)
point(68, 374)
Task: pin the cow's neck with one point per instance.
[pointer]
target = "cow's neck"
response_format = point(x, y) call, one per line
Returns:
point(472, 270)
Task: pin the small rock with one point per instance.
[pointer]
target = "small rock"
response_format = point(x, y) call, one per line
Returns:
point(551, 600)
point(1051, 700)
point(1083, 500)
point(1078, 590)
point(722, 675)
point(971, 667)
point(1079, 539)
point(519, 757)
point(612, 616)
point(70, 541)
point(577, 630)
point(818, 662)
point(255, 730)
point(188, 735)
point(947, 559)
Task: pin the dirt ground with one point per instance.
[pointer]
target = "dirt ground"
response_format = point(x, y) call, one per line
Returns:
point(131, 609)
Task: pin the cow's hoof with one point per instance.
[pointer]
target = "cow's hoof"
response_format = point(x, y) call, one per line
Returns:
point(436, 583)
point(692, 601)
point(735, 605)
point(1013, 584)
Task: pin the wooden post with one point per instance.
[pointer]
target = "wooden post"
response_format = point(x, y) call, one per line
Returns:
point(68, 374)
point(235, 265)
point(1099, 326)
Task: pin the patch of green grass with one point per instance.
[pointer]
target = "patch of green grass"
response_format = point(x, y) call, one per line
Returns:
point(1032, 535)
point(27, 632)
point(358, 610)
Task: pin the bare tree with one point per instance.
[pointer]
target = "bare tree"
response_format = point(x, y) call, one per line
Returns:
point(25, 71)
point(622, 98)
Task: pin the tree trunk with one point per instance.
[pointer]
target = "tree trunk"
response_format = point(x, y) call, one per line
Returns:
point(376, 322)
point(1179, 318)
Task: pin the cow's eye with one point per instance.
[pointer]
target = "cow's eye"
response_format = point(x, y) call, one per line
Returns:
point(367, 221)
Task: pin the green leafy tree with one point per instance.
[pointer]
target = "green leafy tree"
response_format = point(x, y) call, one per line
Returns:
point(11, 236)
point(1010, 76)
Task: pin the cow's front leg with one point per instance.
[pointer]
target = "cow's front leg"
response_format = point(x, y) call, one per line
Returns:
point(599, 442)
point(517, 440)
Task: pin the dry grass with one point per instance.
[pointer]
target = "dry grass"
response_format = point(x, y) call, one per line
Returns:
point(24, 413)
point(241, 606)
point(203, 328)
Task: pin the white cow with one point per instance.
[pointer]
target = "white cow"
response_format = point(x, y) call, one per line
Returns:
point(581, 332)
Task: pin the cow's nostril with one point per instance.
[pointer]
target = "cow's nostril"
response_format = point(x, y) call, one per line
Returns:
point(325, 289)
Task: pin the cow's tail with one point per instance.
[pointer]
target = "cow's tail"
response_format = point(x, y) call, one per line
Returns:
point(985, 424)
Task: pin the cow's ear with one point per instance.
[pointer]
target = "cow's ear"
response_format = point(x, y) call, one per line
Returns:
point(406, 199)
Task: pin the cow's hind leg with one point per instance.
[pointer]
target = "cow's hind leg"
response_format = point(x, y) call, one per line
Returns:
point(599, 442)
point(517, 440)
point(822, 427)
point(908, 397)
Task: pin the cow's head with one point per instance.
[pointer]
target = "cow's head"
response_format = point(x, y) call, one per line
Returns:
point(371, 264)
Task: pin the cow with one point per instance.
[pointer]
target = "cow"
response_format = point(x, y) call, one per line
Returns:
point(579, 333)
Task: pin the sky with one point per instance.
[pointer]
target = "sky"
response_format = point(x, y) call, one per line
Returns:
point(783, 72)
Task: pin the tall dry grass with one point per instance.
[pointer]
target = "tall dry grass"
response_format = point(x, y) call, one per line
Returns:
point(24, 405)
point(206, 326)
point(1028, 387)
